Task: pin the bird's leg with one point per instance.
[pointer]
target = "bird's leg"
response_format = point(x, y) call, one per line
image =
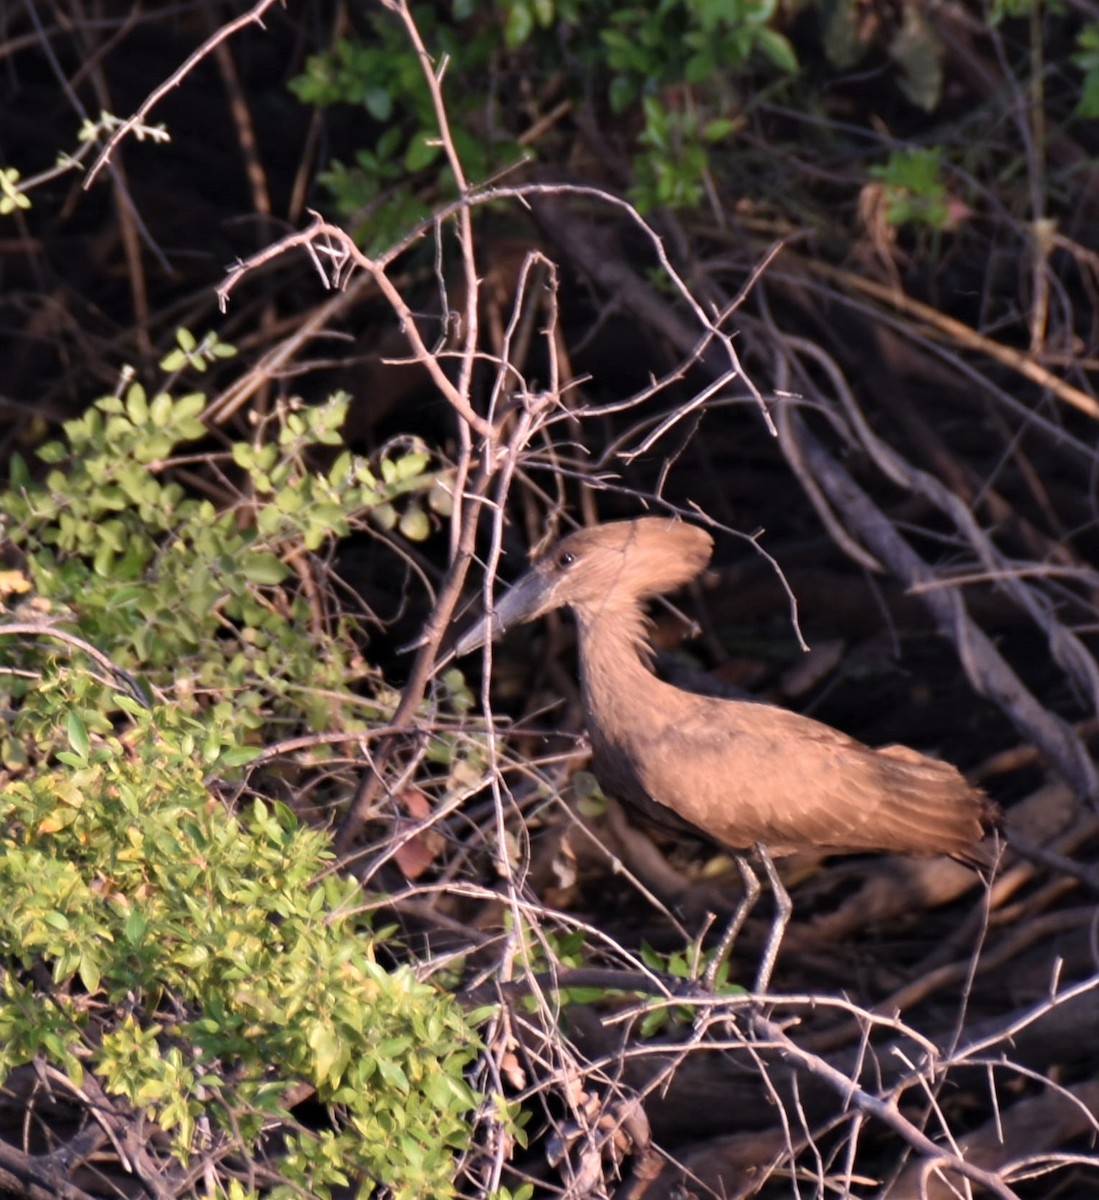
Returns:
point(783, 908)
point(732, 931)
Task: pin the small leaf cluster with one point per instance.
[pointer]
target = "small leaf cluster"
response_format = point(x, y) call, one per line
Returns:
point(11, 195)
point(156, 576)
point(681, 59)
point(686, 967)
point(914, 189)
point(190, 352)
point(91, 131)
point(688, 41)
point(401, 491)
point(14, 194)
point(395, 181)
point(676, 58)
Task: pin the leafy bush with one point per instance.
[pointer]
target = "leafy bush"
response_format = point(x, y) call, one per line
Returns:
point(203, 965)
point(203, 960)
point(679, 59)
point(157, 578)
point(393, 181)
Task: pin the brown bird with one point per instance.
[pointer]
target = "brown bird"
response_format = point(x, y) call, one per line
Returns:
point(748, 775)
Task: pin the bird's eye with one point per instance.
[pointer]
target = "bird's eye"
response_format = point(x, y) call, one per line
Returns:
point(566, 558)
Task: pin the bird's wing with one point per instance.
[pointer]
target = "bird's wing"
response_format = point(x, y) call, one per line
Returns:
point(774, 777)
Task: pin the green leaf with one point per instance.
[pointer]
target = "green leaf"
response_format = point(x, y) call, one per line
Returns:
point(441, 500)
point(160, 412)
point(77, 733)
point(778, 49)
point(325, 1045)
point(379, 103)
point(415, 524)
point(137, 409)
point(422, 151)
point(718, 129)
point(918, 52)
point(90, 974)
point(135, 926)
point(384, 516)
point(1088, 104)
point(103, 561)
point(410, 466)
point(187, 407)
point(238, 756)
point(265, 569)
point(699, 67)
point(19, 475)
point(519, 23)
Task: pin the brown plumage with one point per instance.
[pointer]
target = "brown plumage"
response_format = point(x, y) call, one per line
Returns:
point(746, 774)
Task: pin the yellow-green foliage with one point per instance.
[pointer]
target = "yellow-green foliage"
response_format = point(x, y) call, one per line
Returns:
point(203, 964)
point(201, 956)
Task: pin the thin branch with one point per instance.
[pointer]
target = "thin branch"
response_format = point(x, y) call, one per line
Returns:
point(254, 16)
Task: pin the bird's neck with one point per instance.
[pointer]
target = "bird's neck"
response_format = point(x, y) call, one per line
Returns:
point(620, 692)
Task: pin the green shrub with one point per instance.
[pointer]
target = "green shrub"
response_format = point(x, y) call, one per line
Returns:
point(678, 60)
point(201, 957)
point(203, 964)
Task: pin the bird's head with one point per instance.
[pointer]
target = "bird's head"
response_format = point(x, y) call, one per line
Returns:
point(600, 571)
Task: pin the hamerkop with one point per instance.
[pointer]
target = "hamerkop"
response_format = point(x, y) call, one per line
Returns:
point(746, 774)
